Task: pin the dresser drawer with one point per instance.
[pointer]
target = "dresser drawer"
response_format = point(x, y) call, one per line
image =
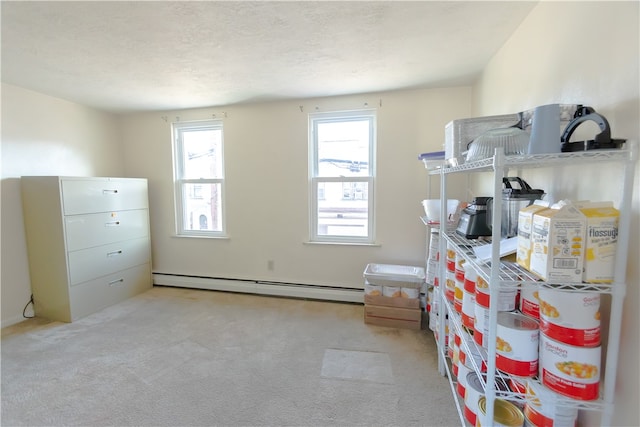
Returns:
point(82, 196)
point(86, 231)
point(97, 294)
point(87, 264)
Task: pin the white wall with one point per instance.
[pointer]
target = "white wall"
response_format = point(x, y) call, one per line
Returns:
point(266, 152)
point(42, 135)
point(580, 52)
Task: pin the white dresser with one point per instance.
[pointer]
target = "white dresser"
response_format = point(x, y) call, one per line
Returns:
point(88, 242)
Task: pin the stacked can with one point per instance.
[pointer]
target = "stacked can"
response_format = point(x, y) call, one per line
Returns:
point(450, 274)
point(570, 348)
point(529, 302)
point(459, 283)
point(506, 302)
point(433, 258)
point(467, 314)
point(541, 408)
point(517, 339)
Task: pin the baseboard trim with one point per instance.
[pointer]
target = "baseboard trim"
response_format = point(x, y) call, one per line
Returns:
point(260, 288)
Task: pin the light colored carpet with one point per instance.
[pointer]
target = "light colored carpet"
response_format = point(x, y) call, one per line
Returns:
point(183, 357)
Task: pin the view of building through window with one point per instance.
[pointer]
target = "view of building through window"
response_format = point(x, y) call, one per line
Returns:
point(200, 177)
point(343, 176)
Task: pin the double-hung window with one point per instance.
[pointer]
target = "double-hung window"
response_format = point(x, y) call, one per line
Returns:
point(199, 178)
point(342, 174)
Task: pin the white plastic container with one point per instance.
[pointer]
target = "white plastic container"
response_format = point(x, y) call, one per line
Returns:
point(394, 275)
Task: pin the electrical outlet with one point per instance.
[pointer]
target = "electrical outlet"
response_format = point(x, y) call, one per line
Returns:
point(270, 265)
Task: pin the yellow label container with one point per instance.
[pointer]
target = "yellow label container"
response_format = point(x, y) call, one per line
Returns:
point(601, 241)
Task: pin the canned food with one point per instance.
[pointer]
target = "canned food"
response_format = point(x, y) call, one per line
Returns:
point(467, 314)
point(409, 293)
point(455, 360)
point(569, 370)
point(450, 285)
point(506, 297)
point(505, 414)
point(457, 295)
point(518, 384)
point(470, 278)
point(463, 371)
point(517, 344)
point(474, 390)
point(459, 267)
point(391, 291)
point(481, 325)
point(570, 317)
point(451, 257)
point(373, 290)
point(541, 408)
point(529, 302)
point(479, 356)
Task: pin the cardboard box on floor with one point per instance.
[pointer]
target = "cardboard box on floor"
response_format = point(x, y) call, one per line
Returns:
point(393, 317)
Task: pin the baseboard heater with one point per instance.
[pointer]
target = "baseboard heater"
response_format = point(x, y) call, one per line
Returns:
point(260, 287)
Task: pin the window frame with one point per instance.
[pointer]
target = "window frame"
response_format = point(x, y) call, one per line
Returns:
point(314, 178)
point(177, 130)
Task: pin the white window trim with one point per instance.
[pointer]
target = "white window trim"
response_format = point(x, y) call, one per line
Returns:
point(176, 128)
point(340, 116)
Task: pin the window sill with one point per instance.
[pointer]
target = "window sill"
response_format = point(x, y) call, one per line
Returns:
point(195, 236)
point(342, 243)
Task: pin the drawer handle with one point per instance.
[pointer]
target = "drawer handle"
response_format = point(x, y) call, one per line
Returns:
point(115, 282)
point(114, 253)
point(112, 224)
point(109, 191)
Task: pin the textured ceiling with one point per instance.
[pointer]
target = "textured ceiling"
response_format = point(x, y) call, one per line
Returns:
point(146, 55)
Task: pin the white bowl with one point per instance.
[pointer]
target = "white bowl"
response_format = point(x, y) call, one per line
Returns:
point(432, 209)
point(515, 141)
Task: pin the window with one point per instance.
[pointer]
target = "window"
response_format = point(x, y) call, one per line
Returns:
point(199, 178)
point(342, 172)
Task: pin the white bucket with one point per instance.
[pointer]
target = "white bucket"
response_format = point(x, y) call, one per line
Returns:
point(568, 370)
point(517, 344)
point(529, 302)
point(541, 410)
point(570, 317)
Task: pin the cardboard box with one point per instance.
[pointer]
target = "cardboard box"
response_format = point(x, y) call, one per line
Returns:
point(601, 241)
point(392, 302)
point(525, 243)
point(406, 318)
point(558, 235)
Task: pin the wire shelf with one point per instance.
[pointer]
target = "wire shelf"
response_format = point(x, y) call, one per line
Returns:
point(512, 275)
point(541, 160)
